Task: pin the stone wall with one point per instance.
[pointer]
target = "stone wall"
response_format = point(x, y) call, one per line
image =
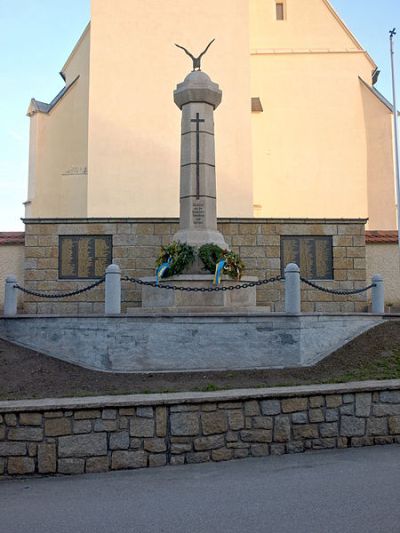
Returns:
point(11, 262)
point(136, 244)
point(99, 434)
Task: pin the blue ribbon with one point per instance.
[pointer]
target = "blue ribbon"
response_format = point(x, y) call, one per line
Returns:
point(218, 271)
point(162, 269)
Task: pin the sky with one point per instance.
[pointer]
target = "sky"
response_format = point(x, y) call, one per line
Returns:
point(36, 37)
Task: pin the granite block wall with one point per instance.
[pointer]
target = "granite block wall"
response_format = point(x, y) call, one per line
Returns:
point(75, 439)
point(136, 244)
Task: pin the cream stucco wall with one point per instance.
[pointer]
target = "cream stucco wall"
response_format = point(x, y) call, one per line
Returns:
point(11, 263)
point(134, 125)
point(384, 259)
point(58, 146)
point(321, 148)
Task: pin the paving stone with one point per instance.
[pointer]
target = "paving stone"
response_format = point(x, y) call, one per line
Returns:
point(291, 405)
point(109, 414)
point(87, 413)
point(144, 412)
point(128, 459)
point(119, 440)
point(295, 446)
point(331, 415)
point(105, 425)
point(12, 448)
point(377, 426)
point(347, 410)
point(158, 459)
point(142, 427)
point(177, 460)
point(240, 453)
point(259, 450)
point(71, 466)
point(357, 442)
point(82, 426)
point(256, 435)
point(197, 457)
point(300, 418)
point(394, 424)
point(181, 447)
point(97, 464)
point(88, 445)
point(222, 454)
point(30, 419)
point(308, 431)
point(363, 404)
point(10, 419)
point(161, 421)
point(348, 398)
point(329, 429)
point(262, 422)
point(209, 443)
point(334, 400)
point(154, 445)
point(282, 429)
point(351, 426)
point(20, 465)
point(270, 407)
point(47, 458)
point(316, 401)
point(214, 422)
point(235, 419)
point(316, 415)
point(385, 409)
point(25, 433)
point(56, 427)
point(185, 424)
point(390, 396)
point(251, 408)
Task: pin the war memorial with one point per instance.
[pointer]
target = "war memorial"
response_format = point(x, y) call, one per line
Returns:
point(199, 294)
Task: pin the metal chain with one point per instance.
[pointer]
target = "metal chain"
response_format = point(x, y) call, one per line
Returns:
point(58, 295)
point(203, 289)
point(343, 292)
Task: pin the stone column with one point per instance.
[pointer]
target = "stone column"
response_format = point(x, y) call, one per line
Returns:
point(197, 96)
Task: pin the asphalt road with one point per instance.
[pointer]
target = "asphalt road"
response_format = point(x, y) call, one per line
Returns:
point(347, 491)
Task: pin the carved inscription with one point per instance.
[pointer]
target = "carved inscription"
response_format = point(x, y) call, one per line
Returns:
point(198, 213)
point(84, 256)
point(312, 254)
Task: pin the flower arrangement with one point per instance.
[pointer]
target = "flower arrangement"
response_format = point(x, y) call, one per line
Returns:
point(211, 255)
point(179, 255)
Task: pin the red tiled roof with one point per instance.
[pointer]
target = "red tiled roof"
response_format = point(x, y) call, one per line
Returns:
point(12, 237)
point(381, 237)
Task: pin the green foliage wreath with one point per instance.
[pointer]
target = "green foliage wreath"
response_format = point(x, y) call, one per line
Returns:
point(211, 254)
point(182, 256)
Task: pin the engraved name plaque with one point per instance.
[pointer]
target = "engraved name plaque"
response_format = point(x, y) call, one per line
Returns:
point(313, 255)
point(84, 256)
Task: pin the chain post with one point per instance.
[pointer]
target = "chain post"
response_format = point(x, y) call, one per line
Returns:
point(292, 289)
point(378, 295)
point(112, 304)
point(10, 296)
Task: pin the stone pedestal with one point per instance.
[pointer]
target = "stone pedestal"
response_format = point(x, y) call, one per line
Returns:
point(197, 97)
point(153, 297)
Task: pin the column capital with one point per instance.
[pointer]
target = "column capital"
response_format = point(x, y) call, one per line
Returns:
point(197, 87)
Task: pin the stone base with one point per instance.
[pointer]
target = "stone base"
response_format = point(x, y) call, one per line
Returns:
point(153, 297)
point(199, 237)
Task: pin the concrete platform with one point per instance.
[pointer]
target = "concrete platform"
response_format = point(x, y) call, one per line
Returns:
point(154, 297)
point(165, 342)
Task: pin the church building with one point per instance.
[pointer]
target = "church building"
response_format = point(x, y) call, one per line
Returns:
point(301, 131)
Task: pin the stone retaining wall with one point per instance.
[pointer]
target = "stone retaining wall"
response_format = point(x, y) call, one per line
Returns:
point(99, 434)
point(136, 244)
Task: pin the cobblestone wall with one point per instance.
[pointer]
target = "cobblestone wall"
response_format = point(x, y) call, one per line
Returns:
point(136, 244)
point(110, 437)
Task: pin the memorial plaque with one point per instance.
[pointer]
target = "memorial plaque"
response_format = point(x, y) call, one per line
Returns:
point(312, 254)
point(198, 213)
point(84, 256)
